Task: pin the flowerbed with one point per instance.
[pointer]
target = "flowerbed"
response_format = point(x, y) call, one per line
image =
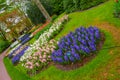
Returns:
point(45, 37)
point(76, 45)
point(22, 40)
point(41, 58)
point(17, 57)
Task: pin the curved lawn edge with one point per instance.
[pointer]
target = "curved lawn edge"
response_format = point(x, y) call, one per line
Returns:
point(83, 73)
point(90, 71)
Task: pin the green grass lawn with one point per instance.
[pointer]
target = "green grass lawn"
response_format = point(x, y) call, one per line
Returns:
point(83, 73)
point(98, 68)
point(14, 73)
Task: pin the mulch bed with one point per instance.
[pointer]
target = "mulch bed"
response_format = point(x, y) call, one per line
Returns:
point(84, 61)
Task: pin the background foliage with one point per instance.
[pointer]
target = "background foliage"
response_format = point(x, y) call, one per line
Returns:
point(117, 8)
point(3, 45)
point(58, 7)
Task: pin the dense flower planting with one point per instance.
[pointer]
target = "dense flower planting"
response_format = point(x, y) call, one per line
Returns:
point(76, 45)
point(21, 40)
point(40, 58)
point(13, 51)
point(45, 37)
point(16, 50)
point(17, 57)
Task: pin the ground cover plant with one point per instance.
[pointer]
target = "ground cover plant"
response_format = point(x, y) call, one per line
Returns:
point(3, 45)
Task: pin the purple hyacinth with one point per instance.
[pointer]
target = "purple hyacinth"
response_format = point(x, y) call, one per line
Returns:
point(66, 58)
point(53, 58)
point(87, 50)
point(72, 59)
point(13, 52)
point(97, 35)
point(76, 44)
point(60, 60)
point(59, 52)
point(16, 58)
point(76, 56)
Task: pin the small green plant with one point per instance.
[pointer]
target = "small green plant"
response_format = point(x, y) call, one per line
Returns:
point(54, 17)
point(117, 8)
point(3, 45)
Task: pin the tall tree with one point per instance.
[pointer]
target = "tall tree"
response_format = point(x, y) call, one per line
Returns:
point(42, 9)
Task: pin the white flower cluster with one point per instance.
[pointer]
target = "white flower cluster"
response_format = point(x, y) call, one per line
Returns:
point(44, 38)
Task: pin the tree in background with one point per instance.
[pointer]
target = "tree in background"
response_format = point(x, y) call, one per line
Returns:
point(42, 9)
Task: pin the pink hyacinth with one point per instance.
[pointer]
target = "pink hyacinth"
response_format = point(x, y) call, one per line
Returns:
point(44, 56)
point(40, 57)
point(35, 58)
point(37, 64)
point(49, 56)
point(29, 63)
point(47, 51)
point(43, 60)
point(52, 49)
point(30, 57)
point(31, 67)
point(26, 66)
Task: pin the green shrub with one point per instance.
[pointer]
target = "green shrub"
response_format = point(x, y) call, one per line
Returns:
point(59, 6)
point(54, 17)
point(117, 8)
point(3, 45)
point(85, 4)
point(74, 5)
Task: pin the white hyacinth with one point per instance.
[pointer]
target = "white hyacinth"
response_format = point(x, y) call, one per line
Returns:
point(43, 38)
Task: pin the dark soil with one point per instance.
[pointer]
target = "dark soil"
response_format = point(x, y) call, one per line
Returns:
point(84, 61)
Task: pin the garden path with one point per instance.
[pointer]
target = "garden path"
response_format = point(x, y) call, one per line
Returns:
point(3, 72)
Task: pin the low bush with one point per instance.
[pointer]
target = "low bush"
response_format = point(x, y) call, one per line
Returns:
point(74, 5)
point(3, 45)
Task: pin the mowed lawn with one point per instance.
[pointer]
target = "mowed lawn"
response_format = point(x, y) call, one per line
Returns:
point(105, 66)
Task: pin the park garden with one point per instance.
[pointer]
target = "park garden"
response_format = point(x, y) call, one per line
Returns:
point(60, 40)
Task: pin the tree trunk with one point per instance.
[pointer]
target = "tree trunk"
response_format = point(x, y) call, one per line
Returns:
point(42, 9)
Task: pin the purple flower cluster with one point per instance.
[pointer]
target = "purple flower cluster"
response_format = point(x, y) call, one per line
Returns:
point(25, 38)
point(17, 57)
point(76, 44)
point(13, 52)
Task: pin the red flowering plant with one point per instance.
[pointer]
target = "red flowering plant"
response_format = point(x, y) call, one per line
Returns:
point(117, 8)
